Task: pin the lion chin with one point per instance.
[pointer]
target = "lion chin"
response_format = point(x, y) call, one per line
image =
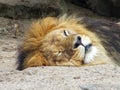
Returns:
point(60, 41)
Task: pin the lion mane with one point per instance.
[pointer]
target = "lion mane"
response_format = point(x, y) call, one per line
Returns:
point(61, 41)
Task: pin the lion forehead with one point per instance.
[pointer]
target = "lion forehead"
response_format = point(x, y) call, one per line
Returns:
point(57, 35)
point(61, 32)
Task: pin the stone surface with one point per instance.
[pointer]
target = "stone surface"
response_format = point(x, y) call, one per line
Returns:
point(31, 8)
point(102, 7)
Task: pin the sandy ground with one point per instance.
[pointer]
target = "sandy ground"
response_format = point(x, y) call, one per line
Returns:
point(100, 77)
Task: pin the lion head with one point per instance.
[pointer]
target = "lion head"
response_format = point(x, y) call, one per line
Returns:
point(60, 41)
point(64, 45)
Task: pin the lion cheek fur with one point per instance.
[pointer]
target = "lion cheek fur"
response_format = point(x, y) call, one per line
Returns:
point(90, 56)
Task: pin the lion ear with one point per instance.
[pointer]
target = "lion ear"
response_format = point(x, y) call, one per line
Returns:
point(32, 60)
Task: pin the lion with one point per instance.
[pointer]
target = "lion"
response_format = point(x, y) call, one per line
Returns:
point(60, 41)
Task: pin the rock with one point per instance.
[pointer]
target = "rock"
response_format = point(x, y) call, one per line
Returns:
point(102, 7)
point(116, 3)
point(30, 8)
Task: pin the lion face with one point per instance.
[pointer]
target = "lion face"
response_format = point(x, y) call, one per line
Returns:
point(64, 45)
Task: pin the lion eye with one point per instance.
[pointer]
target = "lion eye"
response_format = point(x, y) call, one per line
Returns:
point(58, 53)
point(66, 33)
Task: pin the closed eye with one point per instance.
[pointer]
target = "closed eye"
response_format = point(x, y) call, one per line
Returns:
point(58, 53)
point(66, 33)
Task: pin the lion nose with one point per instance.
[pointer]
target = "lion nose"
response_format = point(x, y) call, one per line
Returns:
point(78, 42)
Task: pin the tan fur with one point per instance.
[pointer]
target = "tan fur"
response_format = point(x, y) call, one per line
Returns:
point(43, 45)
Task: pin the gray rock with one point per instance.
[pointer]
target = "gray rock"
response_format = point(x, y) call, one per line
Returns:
point(116, 3)
point(30, 8)
point(102, 7)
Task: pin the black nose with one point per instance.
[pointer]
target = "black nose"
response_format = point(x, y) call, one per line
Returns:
point(78, 42)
